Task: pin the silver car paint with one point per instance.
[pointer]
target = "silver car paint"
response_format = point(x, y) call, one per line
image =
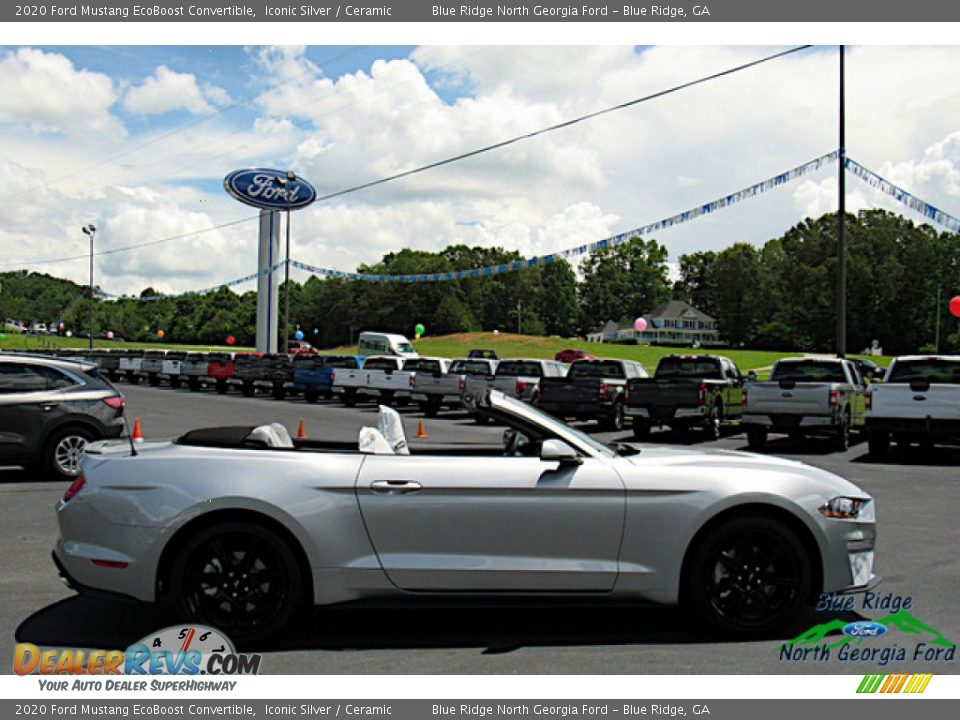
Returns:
point(620, 524)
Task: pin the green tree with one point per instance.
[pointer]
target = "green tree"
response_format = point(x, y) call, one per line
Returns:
point(624, 281)
point(559, 309)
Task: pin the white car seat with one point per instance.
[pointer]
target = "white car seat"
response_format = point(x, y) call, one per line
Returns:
point(273, 435)
point(391, 427)
point(372, 442)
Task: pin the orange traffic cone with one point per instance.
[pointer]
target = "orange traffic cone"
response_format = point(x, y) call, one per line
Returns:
point(301, 430)
point(421, 432)
point(137, 432)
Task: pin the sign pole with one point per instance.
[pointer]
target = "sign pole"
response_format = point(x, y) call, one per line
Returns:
point(841, 215)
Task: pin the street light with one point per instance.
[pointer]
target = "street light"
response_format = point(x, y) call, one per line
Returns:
point(90, 231)
point(283, 182)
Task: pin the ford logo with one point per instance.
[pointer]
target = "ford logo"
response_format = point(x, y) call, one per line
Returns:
point(270, 189)
point(864, 628)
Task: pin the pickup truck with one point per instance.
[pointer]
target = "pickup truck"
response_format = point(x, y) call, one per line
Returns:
point(805, 396)
point(170, 367)
point(249, 369)
point(478, 374)
point(313, 374)
point(279, 373)
point(520, 377)
point(592, 390)
point(918, 401)
point(152, 365)
point(193, 370)
point(432, 385)
point(220, 369)
point(381, 378)
point(131, 363)
point(686, 391)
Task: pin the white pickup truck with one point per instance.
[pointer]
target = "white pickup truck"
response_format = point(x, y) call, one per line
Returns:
point(520, 377)
point(918, 401)
point(432, 384)
point(382, 378)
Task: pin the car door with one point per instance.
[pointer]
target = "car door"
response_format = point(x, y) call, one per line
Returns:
point(27, 400)
point(468, 523)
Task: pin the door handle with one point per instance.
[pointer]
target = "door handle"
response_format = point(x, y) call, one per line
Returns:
point(394, 487)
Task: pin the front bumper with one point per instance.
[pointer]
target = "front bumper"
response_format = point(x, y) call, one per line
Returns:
point(848, 562)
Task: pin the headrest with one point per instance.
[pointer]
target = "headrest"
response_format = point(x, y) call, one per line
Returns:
point(273, 435)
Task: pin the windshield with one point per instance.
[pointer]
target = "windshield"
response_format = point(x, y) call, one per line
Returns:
point(470, 367)
point(518, 368)
point(424, 366)
point(405, 347)
point(693, 368)
point(554, 426)
point(809, 371)
point(340, 361)
point(596, 369)
point(380, 364)
point(932, 371)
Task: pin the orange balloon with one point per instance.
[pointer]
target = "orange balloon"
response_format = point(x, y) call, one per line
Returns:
point(160, 333)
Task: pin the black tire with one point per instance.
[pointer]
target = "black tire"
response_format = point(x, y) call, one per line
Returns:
point(133, 378)
point(749, 576)
point(194, 384)
point(757, 438)
point(349, 397)
point(614, 422)
point(311, 396)
point(878, 444)
point(430, 408)
point(841, 441)
point(113, 375)
point(248, 389)
point(61, 452)
point(222, 386)
point(279, 391)
point(175, 383)
point(208, 581)
point(386, 397)
point(153, 379)
point(641, 429)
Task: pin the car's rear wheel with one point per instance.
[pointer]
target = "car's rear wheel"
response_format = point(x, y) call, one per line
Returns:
point(749, 576)
point(248, 389)
point(712, 425)
point(279, 391)
point(350, 397)
point(153, 379)
point(222, 386)
point(615, 420)
point(239, 577)
point(311, 396)
point(62, 452)
point(175, 382)
point(641, 429)
point(841, 441)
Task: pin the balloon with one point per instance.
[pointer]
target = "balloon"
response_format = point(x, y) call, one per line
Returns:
point(231, 340)
point(417, 336)
point(109, 334)
point(298, 334)
point(496, 332)
point(316, 331)
point(69, 333)
point(60, 326)
point(640, 324)
point(160, 333)
point(419, 329)
point(3, 336)
point(955, 306)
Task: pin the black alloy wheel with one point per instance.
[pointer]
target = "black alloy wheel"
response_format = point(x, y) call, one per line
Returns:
point(750, 576)
point(239, 577)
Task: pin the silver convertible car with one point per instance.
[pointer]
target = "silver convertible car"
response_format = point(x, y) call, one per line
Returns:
point(240, 527)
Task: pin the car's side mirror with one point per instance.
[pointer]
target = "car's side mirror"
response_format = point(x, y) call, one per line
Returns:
point(751, 376)
point(558, 451)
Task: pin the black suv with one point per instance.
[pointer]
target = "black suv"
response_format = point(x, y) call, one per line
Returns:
point(50, 409)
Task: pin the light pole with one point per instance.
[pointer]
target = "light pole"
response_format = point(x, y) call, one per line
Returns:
point(90, 231)
point(841, 213)
point(291, 178)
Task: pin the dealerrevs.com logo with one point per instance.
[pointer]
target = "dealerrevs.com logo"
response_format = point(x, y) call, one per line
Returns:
point(177, 650)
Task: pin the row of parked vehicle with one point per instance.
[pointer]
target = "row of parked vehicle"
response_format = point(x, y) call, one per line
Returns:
point(916, 400)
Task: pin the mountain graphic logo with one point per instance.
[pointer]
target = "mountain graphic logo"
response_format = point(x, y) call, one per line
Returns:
point(901, 620)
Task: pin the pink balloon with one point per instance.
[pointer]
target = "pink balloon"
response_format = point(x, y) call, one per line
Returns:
point(109, 334)
point(496, 332)
point(640, 324)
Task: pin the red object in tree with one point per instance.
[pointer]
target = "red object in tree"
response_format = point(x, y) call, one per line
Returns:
point(955, 306)
point(231, 340)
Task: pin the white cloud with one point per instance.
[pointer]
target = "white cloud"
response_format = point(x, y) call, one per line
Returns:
point(167, 90)
point(44, 92)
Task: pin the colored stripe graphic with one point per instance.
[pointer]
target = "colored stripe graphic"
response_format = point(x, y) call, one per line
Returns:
point(897, 683)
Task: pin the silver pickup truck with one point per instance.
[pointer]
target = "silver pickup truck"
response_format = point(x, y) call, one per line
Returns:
point(805, 396)
point(918, 401)
point(520, 377)
point(382, 379)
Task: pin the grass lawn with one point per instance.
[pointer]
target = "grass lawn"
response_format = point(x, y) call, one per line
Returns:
point(46, 342)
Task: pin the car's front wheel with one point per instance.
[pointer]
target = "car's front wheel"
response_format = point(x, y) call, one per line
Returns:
point(61, 457)
point(749, 576)
point(239, 577)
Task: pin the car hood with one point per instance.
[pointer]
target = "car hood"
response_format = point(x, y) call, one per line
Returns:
point(736, 464)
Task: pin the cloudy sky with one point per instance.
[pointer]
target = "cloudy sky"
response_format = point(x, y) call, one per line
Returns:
point(138, 140)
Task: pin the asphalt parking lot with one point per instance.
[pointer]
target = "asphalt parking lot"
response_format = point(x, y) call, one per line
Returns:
point(917, 493)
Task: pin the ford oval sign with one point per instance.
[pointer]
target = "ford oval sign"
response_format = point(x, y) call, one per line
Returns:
point(270, 189)
point(864, 628)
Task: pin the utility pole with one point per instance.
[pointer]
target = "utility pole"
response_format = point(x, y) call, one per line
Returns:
point(936, 342)
point(90, 231)
point(519, 317)
point(841, 213)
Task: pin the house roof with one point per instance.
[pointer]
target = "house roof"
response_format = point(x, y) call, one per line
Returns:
point(674, 310)
point(608, 327)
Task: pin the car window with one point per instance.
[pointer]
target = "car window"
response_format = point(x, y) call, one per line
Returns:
point(693, 368)
point(470, 367)
point(932, 371)
point(340, 361)
point(519, 368)
point(380, 364)
point(596, 369)
point(16, 378)
point(422, 365)
point(809, 371)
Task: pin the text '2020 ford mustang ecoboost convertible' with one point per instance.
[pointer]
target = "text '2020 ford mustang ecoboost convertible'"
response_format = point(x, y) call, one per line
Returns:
point(239, 527)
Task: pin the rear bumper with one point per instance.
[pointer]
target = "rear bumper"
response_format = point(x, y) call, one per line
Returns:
point(921, 426)
point(666, 414)
point(71, 582)
point(789, 423)
point(577, 410)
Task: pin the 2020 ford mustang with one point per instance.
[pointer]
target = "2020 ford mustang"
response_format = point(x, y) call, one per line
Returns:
point(240, 527)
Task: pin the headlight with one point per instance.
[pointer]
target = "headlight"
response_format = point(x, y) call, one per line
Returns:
point(848, 508)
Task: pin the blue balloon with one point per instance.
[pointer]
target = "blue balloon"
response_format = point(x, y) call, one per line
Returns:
point(298, 335)
point(316, 331)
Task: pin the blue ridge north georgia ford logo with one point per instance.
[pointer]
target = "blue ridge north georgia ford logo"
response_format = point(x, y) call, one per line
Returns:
point(270, 189)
